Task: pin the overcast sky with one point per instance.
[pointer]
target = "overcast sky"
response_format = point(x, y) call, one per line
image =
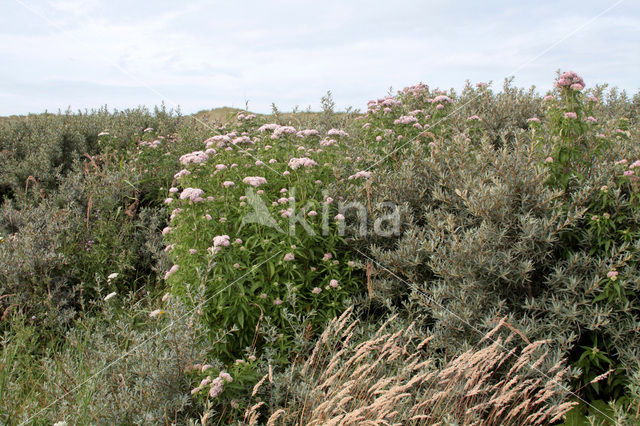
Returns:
point(205, 54)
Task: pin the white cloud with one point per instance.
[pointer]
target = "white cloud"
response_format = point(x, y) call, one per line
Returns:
point(212, 54)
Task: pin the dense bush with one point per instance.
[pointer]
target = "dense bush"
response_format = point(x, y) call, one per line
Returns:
point(116, 366)
point(45, 146)
point(542, 229)
point(78, 208)
point(484, 220)
point(260, 235)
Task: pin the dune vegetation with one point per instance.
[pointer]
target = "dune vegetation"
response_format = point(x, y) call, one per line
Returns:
point(438, 258)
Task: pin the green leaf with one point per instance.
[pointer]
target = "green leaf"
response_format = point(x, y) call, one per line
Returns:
point(271, 271)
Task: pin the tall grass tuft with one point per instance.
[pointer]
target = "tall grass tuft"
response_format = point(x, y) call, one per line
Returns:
point(391, 377)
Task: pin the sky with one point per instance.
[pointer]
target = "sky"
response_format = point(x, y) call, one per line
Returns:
point(199, 55)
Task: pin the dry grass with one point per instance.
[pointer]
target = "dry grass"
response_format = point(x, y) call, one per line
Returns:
point(389, 380)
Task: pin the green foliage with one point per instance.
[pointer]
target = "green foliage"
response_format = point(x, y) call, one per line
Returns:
point(238, 240)
point(84, 213)
point(114, 366)
point(510, 212)
point(45, 146)
point(493, 231)
point(576, 137)
point(610, 225)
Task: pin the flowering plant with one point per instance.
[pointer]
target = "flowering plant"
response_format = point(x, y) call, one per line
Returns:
point(249, 210)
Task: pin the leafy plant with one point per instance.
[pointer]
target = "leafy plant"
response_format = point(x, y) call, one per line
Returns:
point(255, 225)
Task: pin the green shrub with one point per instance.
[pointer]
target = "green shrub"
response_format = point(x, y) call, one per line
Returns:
point(491, 230)
point(115, 366)
point(45, 146)
point(77, 209)
point(502, 210)
point(231, 232)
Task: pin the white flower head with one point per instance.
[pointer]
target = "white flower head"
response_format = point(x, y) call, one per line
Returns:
point(155, 313)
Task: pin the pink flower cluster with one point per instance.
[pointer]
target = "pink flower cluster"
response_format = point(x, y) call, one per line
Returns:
point(571, 80)
point(337, 132)
point(270, 126)
point(195, 157)
point(474, 118)
point(254, 180)
point(283, 130)
point(242, 140)
point(629, 173)
point(220, 241)
point(442, 99)
point(241, 116)
point(328, 142)
point(171, 271)
point(181, 173)
point(416, 90)
point(389, 101)
point(174, 213)
point(361, 175)
point(219, 141)
point(405, 119)
point(296, 163)
point(216, 386)
point(193, 194)
point(307, 133)
point(154, 144)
